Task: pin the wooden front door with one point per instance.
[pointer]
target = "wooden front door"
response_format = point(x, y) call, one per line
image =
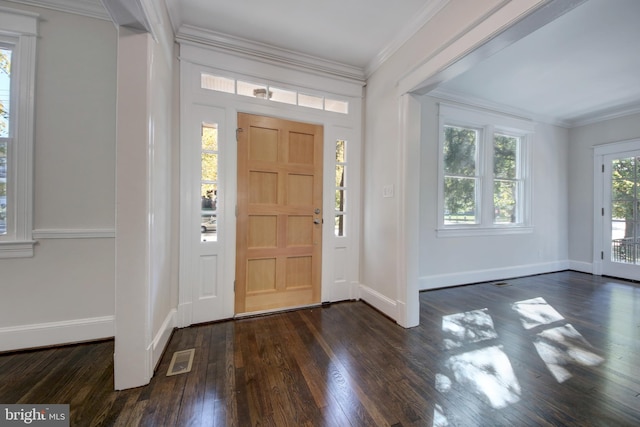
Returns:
point(279, 218)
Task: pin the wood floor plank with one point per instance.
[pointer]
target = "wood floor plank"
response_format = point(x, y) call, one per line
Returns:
point(553, 349)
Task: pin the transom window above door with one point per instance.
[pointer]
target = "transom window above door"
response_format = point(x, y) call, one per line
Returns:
point(272, 93)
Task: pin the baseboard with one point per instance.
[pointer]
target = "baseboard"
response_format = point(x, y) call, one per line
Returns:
point(379, 301)
point(466, 277)
point(161, 339)
point(56, 333)
point(582, 267)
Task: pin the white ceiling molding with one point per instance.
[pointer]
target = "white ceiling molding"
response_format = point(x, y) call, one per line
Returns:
point(269, 54)
point(466, 100)
point(600, 116)
point(429, 10)
point(175, 14)
point(128, 13)
point(610, 114)
point(90, 8)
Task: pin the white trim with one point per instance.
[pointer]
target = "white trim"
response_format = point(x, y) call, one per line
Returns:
point(407, 256)
point(450, 96)
point(452, 231)
point(90, 8)
point(428, 11)
point(56, 333)
point(379, 301)
point(583, 267)
point(268, 54)
point(20, 21)
point(610, 114)
point(16, 249)
point(74, 233)
point(161, 339)
point(482, 38)
point(488, 124)
point(477, 276)
point(600, 116)
point(602, 156)
point(22, 27)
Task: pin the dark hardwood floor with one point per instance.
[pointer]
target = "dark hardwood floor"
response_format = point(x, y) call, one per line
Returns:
point(559, 349)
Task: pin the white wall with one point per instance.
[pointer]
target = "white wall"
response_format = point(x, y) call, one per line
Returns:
point(454, 31)
point(65, 292)
point(146, 211)
point(446, 261)
point(582, 139)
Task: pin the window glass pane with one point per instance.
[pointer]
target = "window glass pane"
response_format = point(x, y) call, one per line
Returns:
point(3, 188)
point(336, 106)
point(624, 169)
point(504, 202)
point(209, 182)
point(505, 156)
point(341, 152)
point(622, 189)
point(624, 209)
point(339, 175)
point(282, 95)
point(460, 148)
point(221, 84)
point(210, 137)
point(251, 89)
point(310, 101)
point(460, 200)
point(339, 225)
point(339, 200)
point(208, 213)
point(209, 167)
point(341, 192)
point(5, 97)
point(5, 90)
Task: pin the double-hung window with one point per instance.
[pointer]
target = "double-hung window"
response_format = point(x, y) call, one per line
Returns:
point(484, 183)
point(18, 33)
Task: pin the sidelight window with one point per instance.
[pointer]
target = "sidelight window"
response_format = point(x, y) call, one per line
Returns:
point(341, 187)
point(209, 183)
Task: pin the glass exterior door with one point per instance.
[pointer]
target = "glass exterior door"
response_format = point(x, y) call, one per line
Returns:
point(621, 257)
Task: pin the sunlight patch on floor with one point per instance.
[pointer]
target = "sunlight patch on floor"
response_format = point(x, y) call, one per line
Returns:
point(536, 312)
point(465, 328)
point(486, 371)
point(563, 347)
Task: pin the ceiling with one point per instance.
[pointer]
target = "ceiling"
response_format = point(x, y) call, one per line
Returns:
point(350, 32)
point(580, 67)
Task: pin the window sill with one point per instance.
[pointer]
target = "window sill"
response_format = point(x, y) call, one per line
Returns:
point(482, 231)
point(17, 249)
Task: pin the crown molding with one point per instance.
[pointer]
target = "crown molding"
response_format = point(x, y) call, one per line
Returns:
point(89, 8)
point(428, 11)
point(598, 116)
point(267, 53)
point(460, 98)
point(608, 114)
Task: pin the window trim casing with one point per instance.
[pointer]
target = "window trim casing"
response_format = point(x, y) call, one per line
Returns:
point(22, 28)
point(489, 123)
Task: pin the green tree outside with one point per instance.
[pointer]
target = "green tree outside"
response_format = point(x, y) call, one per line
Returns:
point(460, 152)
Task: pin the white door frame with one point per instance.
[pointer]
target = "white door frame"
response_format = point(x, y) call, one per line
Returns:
point(340, 265)
point(600, 203)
